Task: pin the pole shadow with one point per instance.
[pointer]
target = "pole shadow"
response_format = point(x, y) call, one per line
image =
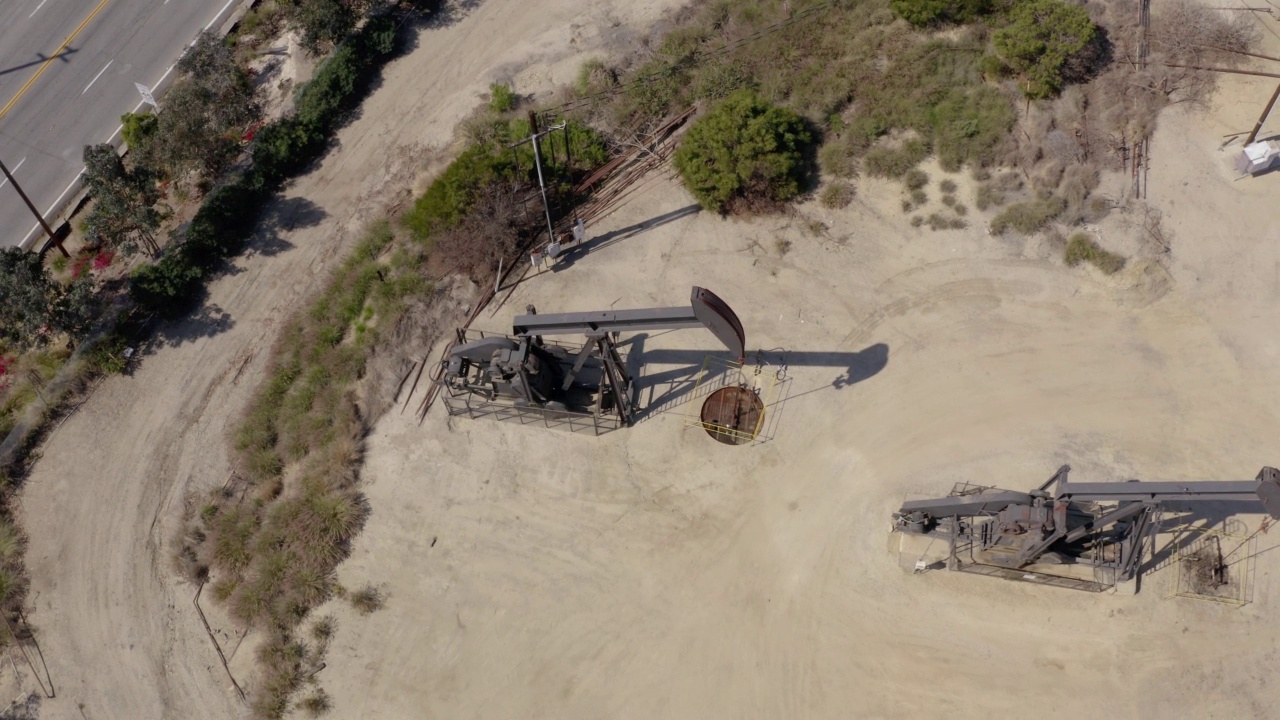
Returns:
point(42, 59)
point(575, 252)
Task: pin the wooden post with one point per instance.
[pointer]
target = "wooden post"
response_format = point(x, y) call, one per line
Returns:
point(33, 210)
point(1253, 135)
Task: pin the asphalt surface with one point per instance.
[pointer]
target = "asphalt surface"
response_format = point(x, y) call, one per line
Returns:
point(78, 98)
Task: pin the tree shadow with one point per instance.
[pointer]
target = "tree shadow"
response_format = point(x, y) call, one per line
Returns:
point(279, 218)
point(208, 321)
point(575, 252)
point(432, 14)
point(1091, 60)
point(673, 386)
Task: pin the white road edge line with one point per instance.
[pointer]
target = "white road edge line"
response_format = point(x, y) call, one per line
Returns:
point(137, 107)
point(33, 12)
point(55, 203)
point(215, 17)
point(95, 77)
point(14, 170)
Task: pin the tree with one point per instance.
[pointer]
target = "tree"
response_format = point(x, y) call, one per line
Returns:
point(196, 131)
point(1042, 37)
point(324, 22)
point(744, 151)
point(124, 213)
point(34, 306)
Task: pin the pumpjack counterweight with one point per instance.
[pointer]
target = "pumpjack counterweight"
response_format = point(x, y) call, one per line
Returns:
point(582, 386)
point(1106, 527)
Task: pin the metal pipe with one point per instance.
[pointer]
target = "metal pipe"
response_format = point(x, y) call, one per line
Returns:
point(1114, 516)
point(1224, 70)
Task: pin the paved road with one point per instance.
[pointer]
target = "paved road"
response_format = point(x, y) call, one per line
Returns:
point(79, 97)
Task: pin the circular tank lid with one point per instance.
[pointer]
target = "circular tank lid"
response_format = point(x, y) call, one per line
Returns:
point(732, 415)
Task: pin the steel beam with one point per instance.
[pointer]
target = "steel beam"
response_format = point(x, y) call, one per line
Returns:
point(705, 310)
point(966, 504)
point(1158, 491)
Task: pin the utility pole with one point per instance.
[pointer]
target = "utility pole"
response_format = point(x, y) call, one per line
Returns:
point(534, 135)
point(33, 210)
point(1253, 135)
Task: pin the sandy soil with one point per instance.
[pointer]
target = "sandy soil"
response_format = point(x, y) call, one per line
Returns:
point(655, 573)
point(117, 628)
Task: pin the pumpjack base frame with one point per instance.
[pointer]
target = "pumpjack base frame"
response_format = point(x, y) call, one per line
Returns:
point(600, 416)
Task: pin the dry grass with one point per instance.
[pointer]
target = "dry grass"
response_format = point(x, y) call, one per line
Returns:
point(938, 221)
point(1028, 217)
point(837, 195)
point(270, 543)
point(915, 179)
point(1082, 248)
point(316, 704)
point(367, 599)
point(889, 162)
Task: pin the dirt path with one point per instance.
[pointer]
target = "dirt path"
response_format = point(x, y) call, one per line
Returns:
point(118, 630)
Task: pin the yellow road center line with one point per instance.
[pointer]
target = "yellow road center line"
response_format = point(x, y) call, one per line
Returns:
point(9, 106)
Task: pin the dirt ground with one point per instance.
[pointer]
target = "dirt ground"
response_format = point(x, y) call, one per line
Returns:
point(653, 572)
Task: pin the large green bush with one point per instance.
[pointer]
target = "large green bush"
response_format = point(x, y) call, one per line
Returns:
point(1042, 36)
point(745, 149)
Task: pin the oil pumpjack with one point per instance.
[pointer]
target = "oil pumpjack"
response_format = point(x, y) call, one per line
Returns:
point(1081, 535)
point(524, 377)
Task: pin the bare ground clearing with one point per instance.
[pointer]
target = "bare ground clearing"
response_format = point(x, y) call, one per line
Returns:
point(117, 628)
point(655, 573)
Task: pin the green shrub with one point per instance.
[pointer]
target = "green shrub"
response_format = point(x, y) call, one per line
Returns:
point(721, 78)
point(450, 196)
point(969, 125)
point(108, 355)
point(1082, 248)
point(947, 186)
point(136, 128)
point(324, 22)
point(895, 163)
point(744, 149)
point(1040, 40)
point(659, 86)
point(501, 98)
point(1028, 217)
point(923, 13)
